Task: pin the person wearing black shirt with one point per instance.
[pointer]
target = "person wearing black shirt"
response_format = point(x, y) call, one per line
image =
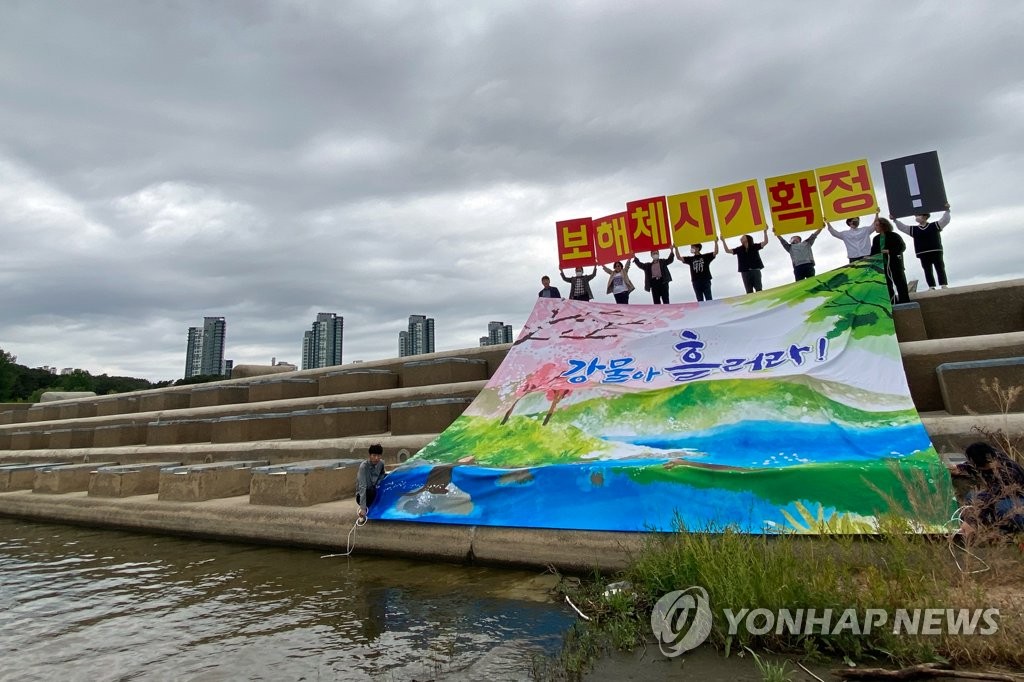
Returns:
point(890, 244)
point(700, 270)
point(748, 260)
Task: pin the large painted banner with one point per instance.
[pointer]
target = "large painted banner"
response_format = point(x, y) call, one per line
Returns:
point(772, 412)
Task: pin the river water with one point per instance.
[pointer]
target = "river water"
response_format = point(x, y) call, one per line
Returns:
point(87, 604)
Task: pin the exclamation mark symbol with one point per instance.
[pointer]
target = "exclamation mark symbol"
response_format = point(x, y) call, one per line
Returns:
point(822, 348)
point(915, 189)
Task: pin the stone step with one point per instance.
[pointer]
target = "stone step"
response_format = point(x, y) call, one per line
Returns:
point(301, 484)
point(953, 433)
point(65, 478)
point(981, 386)
point(993, 308)
point(201, 482)
point(22, 476)
point(127, 480)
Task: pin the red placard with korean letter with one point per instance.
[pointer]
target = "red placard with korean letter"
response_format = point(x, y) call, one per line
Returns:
point(575, 243)
point(738, 207)
point(794, 202)
point(611, 235)
point(846, 190)
point(647, 220)
point(691, 218)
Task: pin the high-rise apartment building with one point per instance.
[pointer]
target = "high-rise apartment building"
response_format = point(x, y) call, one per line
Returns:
point(419, 338)
point(497, 334)
point(321, 345)
point(205, 351)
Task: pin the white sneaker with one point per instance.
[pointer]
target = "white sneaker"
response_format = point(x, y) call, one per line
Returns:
point(943, 286)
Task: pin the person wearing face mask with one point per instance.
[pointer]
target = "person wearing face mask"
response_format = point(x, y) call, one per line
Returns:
point(656, 275)
point(928, 245)
point(857, 239)
point(748, 260)
point(700, 270)
point(579, 284)
point(800, 253)
point(618, 282)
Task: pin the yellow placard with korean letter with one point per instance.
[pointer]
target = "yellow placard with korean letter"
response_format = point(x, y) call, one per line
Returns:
point(846, 190)
point(738, 207)
point(691, 218)
point(794, 202)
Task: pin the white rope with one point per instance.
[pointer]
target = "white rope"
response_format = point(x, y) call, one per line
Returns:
point(582, 615)
point(360, 521)
point(956, 518)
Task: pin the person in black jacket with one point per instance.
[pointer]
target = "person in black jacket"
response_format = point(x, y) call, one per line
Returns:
point(928, 245)
point(890, 244)
point(748, 260)
point(656, 275)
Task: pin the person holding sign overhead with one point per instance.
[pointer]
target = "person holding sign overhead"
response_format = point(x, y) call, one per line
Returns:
point(618, 282)
point(700, 270)
point(579, 284)
point(748, 260)
point(857, 239)
point(928, 245)
point(800, 253)
point(656, 275)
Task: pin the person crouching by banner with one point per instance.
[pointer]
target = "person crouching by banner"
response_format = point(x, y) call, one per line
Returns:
point(996, 495)
point(618, 282)
point(748, 260)
point(928, 245)
point(368, 477)
point(801, 254)
point(656, 275)
point(579, 284)
point(891, 246)
point(700, 270)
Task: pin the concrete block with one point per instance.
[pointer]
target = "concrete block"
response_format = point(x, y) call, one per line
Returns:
point(993, 308)
point(909, 322)
point(961, 384)
point(208, 396)
point(302, 484)
point(78, 410)
point(199, 482)
point(51, 396)
point(36, 413)
point(357, 380)
point(443, 371)
point(29, 440)
point(282, 389)
point(109, 406)
point(127, 480)
point(178, 431)
point(116, 435)
point(69, 410)
point(5, 439)
point(244, 428)
point(65, 478)
point(921, 358)
point(165, 400)
point(64, 439)
point(426, 416)
point(21, 476)
point(335, 422)
point(14, 413)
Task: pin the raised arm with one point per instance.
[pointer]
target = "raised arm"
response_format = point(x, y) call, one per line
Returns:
point(607, 270)
point(833, 231)
point(716, 247)
point(725, 246)
point(782, 241)
point(764, 242)
point(810, 240)
point(562, 275)
point(944, 220)
point(676, 250)
point(902, 227)
point(593, 274)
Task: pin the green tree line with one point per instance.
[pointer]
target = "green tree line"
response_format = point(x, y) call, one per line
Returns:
point(19, 383)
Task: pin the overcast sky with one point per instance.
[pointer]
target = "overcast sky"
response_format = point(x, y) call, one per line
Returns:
point(265, 161)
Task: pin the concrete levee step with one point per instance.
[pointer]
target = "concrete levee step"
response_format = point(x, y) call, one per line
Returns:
point(419, 416)
point(443, 371)
point(909, 322)
point(993, 308)
point(65, 478)
point(282, 388)
point(357, 381)
point(953, 433)
point(242, 428)
point(980, 386)
point(14, 413)
point(22, 476)
point(301, 484)
point(216, 395)
point(922, 358)
point(396, 449)
point(332, 422)
point(201, 482)
point(176, 431)
point(127, 480)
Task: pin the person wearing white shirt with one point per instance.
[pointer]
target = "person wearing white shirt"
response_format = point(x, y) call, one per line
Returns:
point(857, 239)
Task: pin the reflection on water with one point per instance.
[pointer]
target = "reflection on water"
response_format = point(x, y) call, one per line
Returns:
point(80, 603)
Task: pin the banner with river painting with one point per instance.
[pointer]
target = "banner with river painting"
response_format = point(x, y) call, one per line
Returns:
point(785, 410)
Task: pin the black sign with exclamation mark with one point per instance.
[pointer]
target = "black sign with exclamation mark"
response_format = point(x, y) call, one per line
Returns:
point(913, 185)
